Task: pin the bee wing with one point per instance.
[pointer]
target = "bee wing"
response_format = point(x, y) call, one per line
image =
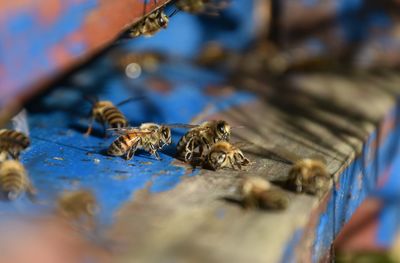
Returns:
point(129, 130)
point(181, 125)
point(20, 122)
point(121, 131)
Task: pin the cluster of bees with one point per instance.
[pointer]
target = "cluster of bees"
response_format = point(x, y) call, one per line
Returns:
point(208, 145)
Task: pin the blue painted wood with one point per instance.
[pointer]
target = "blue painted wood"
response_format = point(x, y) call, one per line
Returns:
point(61, 157)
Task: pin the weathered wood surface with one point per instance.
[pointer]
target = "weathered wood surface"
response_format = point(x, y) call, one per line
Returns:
point(195, 223)
point(43, 40)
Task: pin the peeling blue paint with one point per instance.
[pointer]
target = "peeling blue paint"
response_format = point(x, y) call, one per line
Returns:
point(61, 157)
point(356, 183)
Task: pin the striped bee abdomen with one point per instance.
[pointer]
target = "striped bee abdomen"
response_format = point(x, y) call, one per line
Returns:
point(13, 179)
point(120, 146)
point(114, 117)
point(13, 141)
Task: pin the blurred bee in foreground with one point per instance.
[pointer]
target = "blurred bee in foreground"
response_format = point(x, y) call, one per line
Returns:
point(258, 193)
point(108, 114)
point(198, 140)
point(310, 176)
point(224, 155)
point(208, 7)
point(14, 180)
point(78, 206)
point(150, 137)
point(13, 142)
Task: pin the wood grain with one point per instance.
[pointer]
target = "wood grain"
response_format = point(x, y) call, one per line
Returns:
point(195, 223)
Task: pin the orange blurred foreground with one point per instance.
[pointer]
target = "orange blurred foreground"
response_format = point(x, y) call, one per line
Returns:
point(46, 240)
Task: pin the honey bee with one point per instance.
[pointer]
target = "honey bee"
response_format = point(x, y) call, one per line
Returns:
point(14, 180)
point(310, 176)
point(78, 206)
point(13, 142)
point(200, 138)
point(201, 6)
point(107, 114)
point(224, 155)
point(258, 193)
point(150, 137)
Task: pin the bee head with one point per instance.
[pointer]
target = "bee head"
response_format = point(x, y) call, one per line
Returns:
point(223, 130)
point(216, 159)
point(315, 168)
point(165, 135)
point(162, 20)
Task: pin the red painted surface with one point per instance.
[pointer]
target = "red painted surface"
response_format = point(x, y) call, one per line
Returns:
point(44, 39)
point(359, 233)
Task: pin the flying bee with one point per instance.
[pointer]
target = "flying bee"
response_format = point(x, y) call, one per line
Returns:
point(258, 193)
point(78, 206)
point(224, 155)
point(199, 139)
point(151, 23)
point(310, 176)
point(210, 7)
point(14, 180)
point(107, 114)
point(150, 137)
point(13, 142)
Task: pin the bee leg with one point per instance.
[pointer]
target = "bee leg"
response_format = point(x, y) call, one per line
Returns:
point(204, 145)
point(31, 192)
point(153, 151)
point(14, 154)
point(189, 150)
point(132, 150)
point(299, 184)
point(104, 130)
point(89, 130)
point(232, 163)
point(130, 153)
point(157, 155)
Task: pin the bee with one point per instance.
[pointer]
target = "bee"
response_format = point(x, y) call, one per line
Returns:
point(14, 180)
point(201, 6)
point(13, 142)
point(224, 155)
point(150, 137)
point(78, 206)
point(258, 193)
point(150, 25)
point(310, 176)
point(107, 114)
point(200, 138)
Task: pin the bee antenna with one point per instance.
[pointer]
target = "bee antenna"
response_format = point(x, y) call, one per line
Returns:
point(174, 13)
point(238, 127)
point(130, 100)
point(91, 99)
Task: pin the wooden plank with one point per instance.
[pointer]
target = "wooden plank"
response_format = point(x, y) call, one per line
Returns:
point(193, 222)
point(44, 39)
